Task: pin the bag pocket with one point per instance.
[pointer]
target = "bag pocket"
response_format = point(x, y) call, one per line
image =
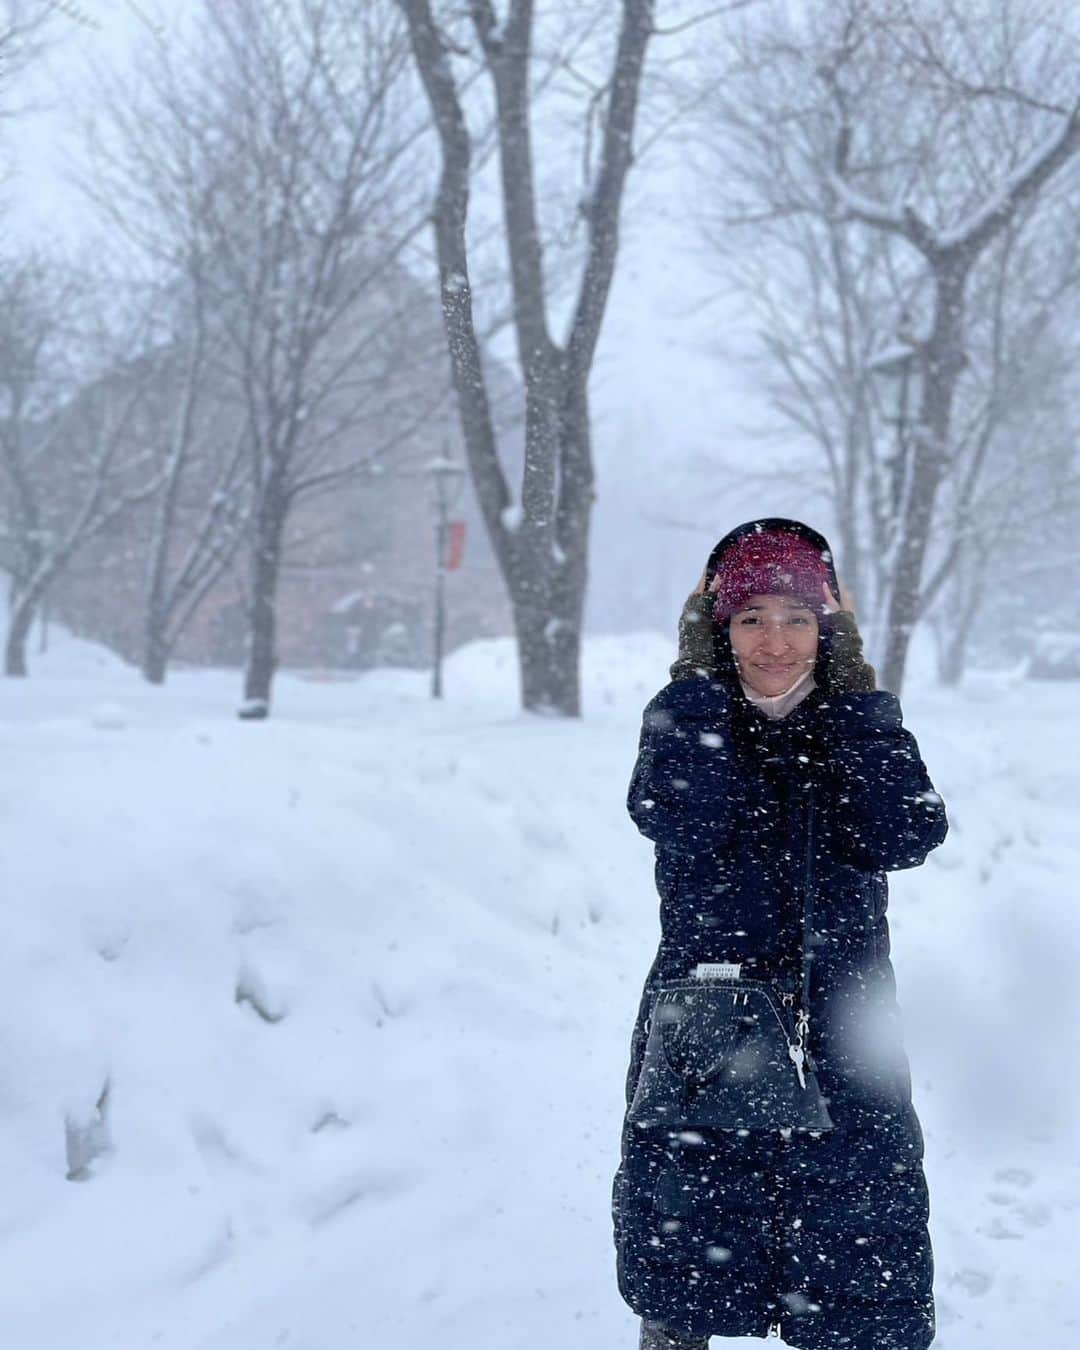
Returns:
point(730, 1030)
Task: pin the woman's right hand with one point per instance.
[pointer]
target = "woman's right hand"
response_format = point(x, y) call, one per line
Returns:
point(697, 653)
point(714, 585)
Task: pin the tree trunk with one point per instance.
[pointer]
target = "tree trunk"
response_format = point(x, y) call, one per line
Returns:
point(262, 617)
point(155, 647)
point(547, 593)
point(547, 574)
point(155, 663)
point(954, 650)
point(907, 580)
point(21, 620)
point(544, 554)
point(967, 588)
point(942, 362)
point(953, 657)
point(549, 645)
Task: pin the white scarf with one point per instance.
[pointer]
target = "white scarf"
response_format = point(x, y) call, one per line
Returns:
point(779, 705)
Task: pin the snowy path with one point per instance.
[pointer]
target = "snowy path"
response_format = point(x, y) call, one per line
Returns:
point(360, 981)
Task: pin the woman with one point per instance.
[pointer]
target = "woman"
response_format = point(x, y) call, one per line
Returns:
point(818, 1237)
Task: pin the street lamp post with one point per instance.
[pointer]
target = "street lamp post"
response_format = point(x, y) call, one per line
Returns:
point(448, 479)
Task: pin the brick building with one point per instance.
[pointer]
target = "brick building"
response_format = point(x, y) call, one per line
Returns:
point(358, 578)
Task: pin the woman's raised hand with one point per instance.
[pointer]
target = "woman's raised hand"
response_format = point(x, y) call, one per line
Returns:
point(847, 600)
point(714, 585)
point(697, 651)
point(848, 669)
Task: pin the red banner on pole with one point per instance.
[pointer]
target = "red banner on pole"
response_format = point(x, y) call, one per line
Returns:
point(455, 544)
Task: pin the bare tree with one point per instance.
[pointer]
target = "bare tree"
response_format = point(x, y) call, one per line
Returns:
point(950, 251)
point(205, 457)
point(1019, 483)
point(541, 541)
point(22, 37)
point(269, 167)
point(74, 452)
point(819, 303)
point(902, 143)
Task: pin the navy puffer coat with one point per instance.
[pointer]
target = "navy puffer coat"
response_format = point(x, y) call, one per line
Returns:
point(729, 1233)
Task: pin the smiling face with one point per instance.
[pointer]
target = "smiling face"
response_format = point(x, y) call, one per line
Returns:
point(775, 641)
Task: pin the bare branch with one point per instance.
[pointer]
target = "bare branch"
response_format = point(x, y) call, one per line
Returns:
point(717, 12)
point(450, 218)
point(971, 238)
point(602, 211)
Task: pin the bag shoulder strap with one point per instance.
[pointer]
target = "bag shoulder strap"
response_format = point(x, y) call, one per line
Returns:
point(808, 900)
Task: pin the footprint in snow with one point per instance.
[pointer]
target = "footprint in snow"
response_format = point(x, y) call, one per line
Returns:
point(973, 1282)
point(1025, 1211)
point(1014, 1176)
point(1035, 1214)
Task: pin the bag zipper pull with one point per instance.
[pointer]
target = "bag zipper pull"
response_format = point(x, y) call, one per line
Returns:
point(796, 1050)
point(797, 1056)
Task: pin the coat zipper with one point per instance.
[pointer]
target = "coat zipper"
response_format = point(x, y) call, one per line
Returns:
point(779, 1228)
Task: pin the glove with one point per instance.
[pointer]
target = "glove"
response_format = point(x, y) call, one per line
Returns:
point(848, 671)
point(697, 652)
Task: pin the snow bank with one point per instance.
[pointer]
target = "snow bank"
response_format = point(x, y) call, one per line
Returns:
point(314, 1030)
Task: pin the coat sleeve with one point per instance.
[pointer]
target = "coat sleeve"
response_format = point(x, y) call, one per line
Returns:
point(686, 790)
point(888, 815)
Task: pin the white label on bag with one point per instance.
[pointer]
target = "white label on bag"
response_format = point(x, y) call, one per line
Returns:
point(717, 970)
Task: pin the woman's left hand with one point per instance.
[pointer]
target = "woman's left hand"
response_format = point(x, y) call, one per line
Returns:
point(847, 600)
point(848, 671)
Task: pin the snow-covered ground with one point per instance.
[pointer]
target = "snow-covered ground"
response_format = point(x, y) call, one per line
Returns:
point(347, 997)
